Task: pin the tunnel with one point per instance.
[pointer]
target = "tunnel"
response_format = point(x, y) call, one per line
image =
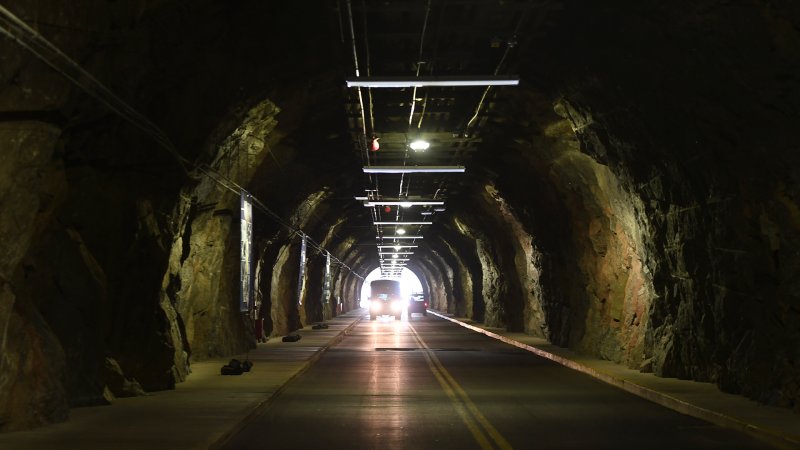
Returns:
point(633, 195)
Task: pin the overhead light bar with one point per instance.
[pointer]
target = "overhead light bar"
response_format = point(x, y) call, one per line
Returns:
point(404, 204)
point(427, 213)
point(438, 209)
point(403, 223)
point(398, 247)
point(396, 253)
point(414, 169)
point(398, 237)
point(452, 81)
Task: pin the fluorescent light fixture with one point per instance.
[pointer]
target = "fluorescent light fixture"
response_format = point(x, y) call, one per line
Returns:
point(403, 223)
point(400, 231)
point(398, 246)
point(406, 82)
point(395, 256)
point(438, 209)
point(361, 198)
point(414, 169)
point(410, 203)
point(399, 237)
point(419, 145)
point(395, 253)
point(427, 213)
point(406, 204)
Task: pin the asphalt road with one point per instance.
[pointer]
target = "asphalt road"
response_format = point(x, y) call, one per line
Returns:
point(430, 384)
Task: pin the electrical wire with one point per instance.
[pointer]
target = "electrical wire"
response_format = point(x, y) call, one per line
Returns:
point(509, 46)
point(375, 213)
point(17, 30)
point(420, 62)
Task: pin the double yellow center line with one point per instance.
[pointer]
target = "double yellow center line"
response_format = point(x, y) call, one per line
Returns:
point(482, 430)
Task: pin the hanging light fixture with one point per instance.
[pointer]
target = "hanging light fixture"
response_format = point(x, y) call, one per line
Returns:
point(419, 145)
point(413, 169)
point(406, 82)
point(401, 231)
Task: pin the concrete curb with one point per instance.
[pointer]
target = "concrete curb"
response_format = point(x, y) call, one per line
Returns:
point(760, 432)
point(251, 415)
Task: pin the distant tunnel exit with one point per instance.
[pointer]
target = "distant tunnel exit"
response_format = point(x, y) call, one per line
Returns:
point(409, 284)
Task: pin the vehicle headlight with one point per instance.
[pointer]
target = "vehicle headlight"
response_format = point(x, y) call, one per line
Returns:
point(397, 307)
point(376, 306)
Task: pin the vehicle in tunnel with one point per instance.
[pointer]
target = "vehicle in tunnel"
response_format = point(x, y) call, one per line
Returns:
point(385, 299)
point(417, 304)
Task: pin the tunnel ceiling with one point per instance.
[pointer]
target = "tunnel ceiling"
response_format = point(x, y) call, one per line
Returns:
point(443, 41)
point(634, 198)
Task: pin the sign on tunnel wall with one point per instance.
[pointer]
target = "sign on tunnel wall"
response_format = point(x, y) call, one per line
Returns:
point(301, 278)
point(246, 267)
point(326, 283)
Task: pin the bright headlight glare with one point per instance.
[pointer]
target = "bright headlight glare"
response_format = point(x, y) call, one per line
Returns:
point(376, 306)
point(419, 145)
point(396, 307)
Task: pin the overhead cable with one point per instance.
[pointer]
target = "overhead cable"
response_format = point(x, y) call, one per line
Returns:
point(17, 30)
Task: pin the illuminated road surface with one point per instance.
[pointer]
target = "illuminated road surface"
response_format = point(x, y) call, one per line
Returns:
point(430, 384)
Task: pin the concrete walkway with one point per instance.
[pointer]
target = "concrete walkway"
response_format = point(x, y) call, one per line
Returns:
point(200, 412)
point(778, 426)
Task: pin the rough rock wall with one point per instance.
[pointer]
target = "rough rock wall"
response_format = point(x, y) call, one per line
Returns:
point(442, 285)
point(286, 314)
point(110, 300)
point(492, 283)
point(610, 235)
point(525, 256)
point(462, 284)
point(341, 300)
point(202, 280)
point(32, 360)
point(683, 192)
point(32, 363)
point(577, 231)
